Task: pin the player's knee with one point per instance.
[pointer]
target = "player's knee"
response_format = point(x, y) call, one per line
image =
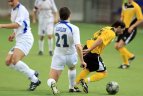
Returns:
point(49, 36)
point(14, 60)
point(8, 62)
point(117, 47)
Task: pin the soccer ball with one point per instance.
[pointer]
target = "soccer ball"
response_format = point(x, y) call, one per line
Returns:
point(112, 87)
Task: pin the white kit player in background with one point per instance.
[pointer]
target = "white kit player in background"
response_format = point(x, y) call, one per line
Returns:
point(67, 46)
point(24, 41)
point(47, 14)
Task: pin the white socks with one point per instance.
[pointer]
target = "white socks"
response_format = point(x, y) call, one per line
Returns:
point(71, 76)
point(41, 45)
point(50, 81)
point(22, 67)
point(50, 44)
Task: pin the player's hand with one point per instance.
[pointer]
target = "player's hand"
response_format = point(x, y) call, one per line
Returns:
point(130, 29)
point(11, 37)
point(83, 65)
point(85, 51)
point(0, 25)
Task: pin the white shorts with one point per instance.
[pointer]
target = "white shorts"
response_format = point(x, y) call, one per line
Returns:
point(23, 45)
point(45, 28)
point(59, 62)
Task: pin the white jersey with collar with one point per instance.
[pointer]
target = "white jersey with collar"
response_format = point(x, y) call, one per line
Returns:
point(20, 15)
point(45, 8)
point(67, 36)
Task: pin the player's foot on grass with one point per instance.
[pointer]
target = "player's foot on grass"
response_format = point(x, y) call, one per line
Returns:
point(131, 59)
point(75, 89)
point(84, 85)
point(33, 85)
point(40, 53)
point(54, 89)
point(124, 66)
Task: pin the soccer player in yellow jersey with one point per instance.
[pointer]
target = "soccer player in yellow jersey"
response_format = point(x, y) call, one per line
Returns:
point(132, 16)
point(92, 51)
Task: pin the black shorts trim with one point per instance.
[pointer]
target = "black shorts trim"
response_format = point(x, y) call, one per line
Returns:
point(128, 37)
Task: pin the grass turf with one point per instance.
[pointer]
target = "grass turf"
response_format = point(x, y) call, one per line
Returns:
point(13, 83)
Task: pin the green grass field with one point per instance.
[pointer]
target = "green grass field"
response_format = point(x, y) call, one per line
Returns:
point(13, 83)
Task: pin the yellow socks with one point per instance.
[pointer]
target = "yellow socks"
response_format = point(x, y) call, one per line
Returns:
point(95, 77)
point(125, 55)
point(82, 75)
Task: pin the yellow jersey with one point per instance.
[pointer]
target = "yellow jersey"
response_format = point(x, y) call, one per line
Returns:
point(130, 12)
point(107, 34)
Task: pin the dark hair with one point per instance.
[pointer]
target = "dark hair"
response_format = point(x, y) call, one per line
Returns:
point(119, 23)
point(64, 13)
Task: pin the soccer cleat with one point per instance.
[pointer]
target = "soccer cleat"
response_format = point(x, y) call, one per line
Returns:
point(34, 85)
point(84, 85)
point(124, 66)
point(40, 53)
point(75, 89)
point(36, 74)
point(131, 59)
point(54, 89)
point(50, 53)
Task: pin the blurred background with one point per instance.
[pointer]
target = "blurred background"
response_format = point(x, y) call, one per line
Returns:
point(90, 11)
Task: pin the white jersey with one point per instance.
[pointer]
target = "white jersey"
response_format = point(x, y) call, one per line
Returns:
point(20, 15)
point(67, 36)
point(23, 35)
point(45, 8)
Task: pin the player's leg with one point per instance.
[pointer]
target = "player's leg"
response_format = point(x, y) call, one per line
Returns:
point(13, 60)
point(41, 33)
point(57, 66)
point(50, 30)
point(53, 79)
point(126, 55)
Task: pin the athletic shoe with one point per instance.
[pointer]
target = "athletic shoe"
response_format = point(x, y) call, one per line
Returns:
point(54, 89)
point(36, 74)
point(40, 53)
point(33, 85)
point(75, 89)
point(131, 59)
point(50, 53)
point(124, 66)
point(84, 85)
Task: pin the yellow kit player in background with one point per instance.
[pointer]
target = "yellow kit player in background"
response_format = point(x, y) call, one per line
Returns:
point(92, 51)
point(132, 16)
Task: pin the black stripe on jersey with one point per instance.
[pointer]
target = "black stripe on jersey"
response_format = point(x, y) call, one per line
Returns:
point(128, 6)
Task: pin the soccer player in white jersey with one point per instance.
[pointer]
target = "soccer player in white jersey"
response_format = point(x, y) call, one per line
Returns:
point(47, 16)
point(24, 41)
point(67, 46)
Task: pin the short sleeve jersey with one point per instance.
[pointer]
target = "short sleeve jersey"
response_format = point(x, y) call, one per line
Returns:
point(107, 34)
point(131, 11)
point(45, 8)
point(67, 36)
point(20, 15)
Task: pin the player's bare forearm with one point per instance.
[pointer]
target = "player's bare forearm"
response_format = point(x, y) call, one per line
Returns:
point(98, 42)
point(9, 26)
point(134, 25)
point(80, 54)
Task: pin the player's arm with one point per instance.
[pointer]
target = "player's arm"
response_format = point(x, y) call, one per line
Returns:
point(80, 54)
point(10, 26)
point(98, 42)
point(56, 17)
point(34, 14)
